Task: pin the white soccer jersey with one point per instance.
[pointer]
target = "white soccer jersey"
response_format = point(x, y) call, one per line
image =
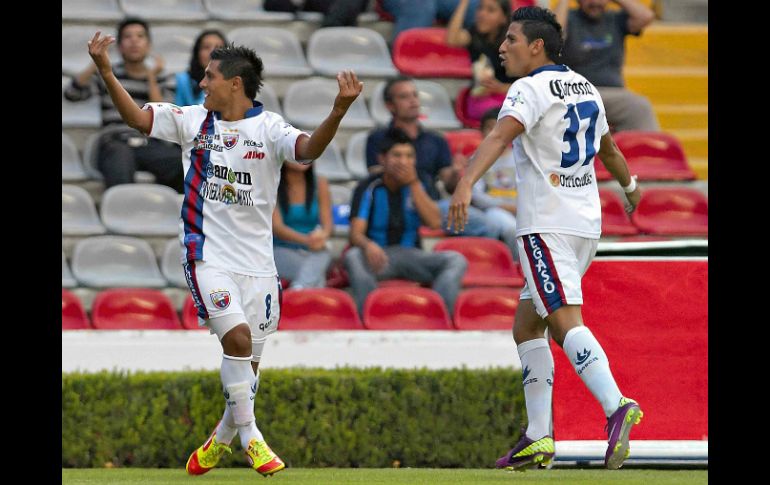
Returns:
point(564, 120)
point(232, 170)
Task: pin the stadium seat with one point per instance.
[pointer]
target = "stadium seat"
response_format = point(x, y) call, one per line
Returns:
point(269, 99)
point(341, 199)
point(80, 114)
point(74, 46)
point(423, 52)
point(91, 154)
point(174, 43)
point(73, 315)
point(90, 10)
point(672, 211)
point(67, 280)
point(486, 308)
point(365, 51)
point(397, 283)
point(399, 308)
point(435, 106)
point(307, 103)
point(134, 309)
point(341, 194)
point(615, 221)
point(170, 264)
point(459, 106)
point(331, 165)
point(318, 309)
point(112, 261)
point(654, 155)
point(240, 10)
point(170, 10)
point(279, 49)
point(78, 213)
point(71, 166)
point(190, 315)
point(141, 209)
point(489, 261)
point(463, 141)
point(355, 155)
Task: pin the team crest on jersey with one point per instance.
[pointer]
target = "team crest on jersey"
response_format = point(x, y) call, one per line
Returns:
point(228, 195)
point(516, 99)
point(230, 138)
point(554, 179)
point(220, 299)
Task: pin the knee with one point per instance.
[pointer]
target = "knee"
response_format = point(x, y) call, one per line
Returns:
point(455, 260)
point(237, 341)
point(352, 256)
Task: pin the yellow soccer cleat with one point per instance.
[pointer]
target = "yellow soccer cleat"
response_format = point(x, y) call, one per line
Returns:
point(262, 458)
point(207, 456)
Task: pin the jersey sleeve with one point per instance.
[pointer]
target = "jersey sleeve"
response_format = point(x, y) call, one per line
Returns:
point(167, 121)
point(522, 103)
point(283, 137)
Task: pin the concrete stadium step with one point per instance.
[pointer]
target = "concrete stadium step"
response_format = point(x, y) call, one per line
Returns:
point(661, 44)
point(694, 142)
point(669, 85)
point(700, 166)
point(682, 116)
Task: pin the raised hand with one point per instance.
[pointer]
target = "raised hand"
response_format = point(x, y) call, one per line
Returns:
point(97, 49)
point(350, 88)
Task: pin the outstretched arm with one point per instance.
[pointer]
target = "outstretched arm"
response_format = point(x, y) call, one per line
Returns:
point(456, 35)
point(134, 116)
point(616, 164)
point(310, 148)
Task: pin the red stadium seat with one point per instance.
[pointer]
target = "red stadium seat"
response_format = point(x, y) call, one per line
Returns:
point(190, 315)
point(426, 231)
point(73, 315)
point(405, 309)
point(397, 283)
point(615, 221)
point(602, 174)
point(489, 261)
point(460, 103)
point(654, 155)
point(318, 309)
point(463, 141)
point(675, 211)
point(423, 52)
point(134, 309)
point(486, 309)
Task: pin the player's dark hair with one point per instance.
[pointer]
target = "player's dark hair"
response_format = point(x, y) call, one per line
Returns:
point(387, 95)
point(394, 136)
point(240, 61)
point(132, 21)
point(283, 190)
point(196, 70)
point(541, 23)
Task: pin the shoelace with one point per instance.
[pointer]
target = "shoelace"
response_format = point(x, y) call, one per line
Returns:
point(211, 458)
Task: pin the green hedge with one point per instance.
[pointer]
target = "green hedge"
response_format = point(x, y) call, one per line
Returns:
point(310, 417)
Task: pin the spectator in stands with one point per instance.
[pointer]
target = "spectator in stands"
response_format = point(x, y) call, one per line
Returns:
point(188, 90)
point(499, 209)
point(121, 152)
point(302, 224)
point(386, 213)
point(594, 46)
point(483, 39)
point(337, 13)
point(232, 152)
point(559, 216)
point(433, 155)
point(410, 14)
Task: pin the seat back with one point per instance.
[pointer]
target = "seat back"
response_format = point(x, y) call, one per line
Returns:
point(402, 308)
point(134, 309)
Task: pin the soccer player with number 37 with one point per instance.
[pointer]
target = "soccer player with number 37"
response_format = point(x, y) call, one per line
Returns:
point(556, 121)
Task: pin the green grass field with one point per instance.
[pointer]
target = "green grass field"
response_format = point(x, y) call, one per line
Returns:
point(339, 476)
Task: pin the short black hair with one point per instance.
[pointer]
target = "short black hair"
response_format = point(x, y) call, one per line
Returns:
point(490, 114)
point(541, 23)
point(240, 61)
point(131, 21)
point(386, 94)
point(394, 136)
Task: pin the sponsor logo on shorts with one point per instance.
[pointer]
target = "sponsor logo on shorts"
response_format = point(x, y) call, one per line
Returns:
point(220, 299)
point(540, 267)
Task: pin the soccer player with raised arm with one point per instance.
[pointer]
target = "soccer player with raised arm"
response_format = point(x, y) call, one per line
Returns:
point(232, 151)
point(556, 121)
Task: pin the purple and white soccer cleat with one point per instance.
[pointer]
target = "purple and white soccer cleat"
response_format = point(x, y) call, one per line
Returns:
point(618, 428)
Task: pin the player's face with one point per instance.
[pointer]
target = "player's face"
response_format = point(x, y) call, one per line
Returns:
point(490, 17)
point(216, 89)
point(134, 43)
point(208, 44)
point(515, 52)
point(405, 102)
point(593, 8)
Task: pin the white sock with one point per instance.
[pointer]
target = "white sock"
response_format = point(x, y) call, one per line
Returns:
point(226, 429)
point(537, 372)
point(591, 364)
point(238, 380)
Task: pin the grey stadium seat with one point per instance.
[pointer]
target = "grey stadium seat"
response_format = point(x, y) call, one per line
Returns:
point(434, 100)
point(78, 213)
point(141, 209)
point(80, 10)
point(91, 154)
point(331, 165)
point(269, 99)
point(67, 280)
point(174, 10)
point(82, 114)
point(74, 47)
point(170, 264)
point(116, 261)
point(239, 10)
point(341, 194)
point(334, 49)
point(71, 166)
point(174, 43)
point(355, 155)
point(279, 49)
point(308, 102)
